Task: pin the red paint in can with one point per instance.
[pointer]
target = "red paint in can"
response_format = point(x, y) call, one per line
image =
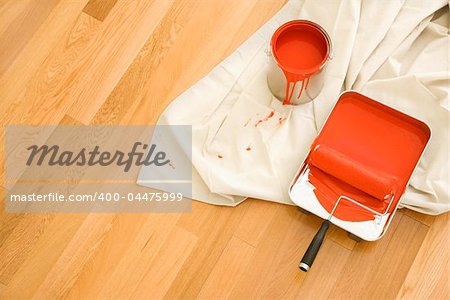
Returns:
point(301, 49)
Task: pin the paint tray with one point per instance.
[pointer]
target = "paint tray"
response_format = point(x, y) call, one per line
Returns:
point(359, 165)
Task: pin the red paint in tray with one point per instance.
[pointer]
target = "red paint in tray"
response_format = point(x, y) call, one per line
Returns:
point(366, 151)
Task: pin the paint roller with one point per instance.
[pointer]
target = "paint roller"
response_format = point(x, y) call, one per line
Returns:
point(373, 182)
point(360, 176)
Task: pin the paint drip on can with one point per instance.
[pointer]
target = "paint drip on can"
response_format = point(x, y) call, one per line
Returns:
point(299, 51)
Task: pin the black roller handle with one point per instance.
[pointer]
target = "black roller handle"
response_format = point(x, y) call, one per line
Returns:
point(314, 246)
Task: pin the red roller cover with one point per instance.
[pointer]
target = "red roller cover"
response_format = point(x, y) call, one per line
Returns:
point(360, 176)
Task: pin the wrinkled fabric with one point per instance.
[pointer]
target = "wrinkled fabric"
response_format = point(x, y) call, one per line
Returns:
point(396, 52)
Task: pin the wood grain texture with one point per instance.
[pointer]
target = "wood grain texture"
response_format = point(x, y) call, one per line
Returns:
point(99, 9)
point(432, 258)
point(228, 270)
point(122, 62)
point(425, 219)
point(22, 22)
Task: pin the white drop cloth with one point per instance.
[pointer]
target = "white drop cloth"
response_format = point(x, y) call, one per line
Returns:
point(396, 52)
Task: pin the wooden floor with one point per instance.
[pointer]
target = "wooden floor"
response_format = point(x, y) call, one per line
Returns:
point(122, 62)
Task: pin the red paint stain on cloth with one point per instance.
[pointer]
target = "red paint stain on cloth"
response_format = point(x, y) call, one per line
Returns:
point(248, 121)
point(281, 120)
point(265, 119)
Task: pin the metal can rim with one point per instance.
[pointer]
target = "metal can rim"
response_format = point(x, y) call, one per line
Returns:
point(308, 71)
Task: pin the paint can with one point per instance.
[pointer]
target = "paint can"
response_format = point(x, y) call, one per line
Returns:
point(298, 53)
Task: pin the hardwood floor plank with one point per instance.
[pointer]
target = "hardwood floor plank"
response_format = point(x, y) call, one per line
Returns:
point(102, 263)
point(273, 271)
point(14, 81)
point(363, 259)
point(51, 91)
point(26, 82)
point(431, 265)
point(214, 228)
point(425, 219)
point(196, 221)
point(123, 34)
point(46, 94)
point(256, 220)
point(45, 253)
point(27, 23)
point(25, 233)
point(282, 279)
point(8, 222)
point(320, 280)
point(133, 85)
point(20, 232)
point(133, 265)
point(89, 235)
point(377, 269)
point(10, 10)
point(261, 12)
point(99, 9)
point(166, 265)
point(189, 65)
point(228, 270)
point(341, 237)
point(441, 290)
point(391, 271)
